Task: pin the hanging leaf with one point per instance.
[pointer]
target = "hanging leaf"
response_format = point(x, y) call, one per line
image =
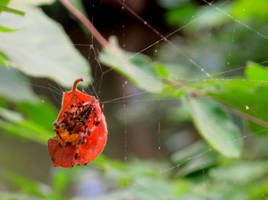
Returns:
point(216, 126)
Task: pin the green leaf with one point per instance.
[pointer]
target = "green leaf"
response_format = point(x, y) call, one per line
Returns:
point(15, 86)
point(32, 111)
point(26, 186)
point(10, 115)
point(28, 130)
point(242, 172)
point(216, 126)
point(190, 152)
point(138, 68)
point(7, 195)
point(194, 158)
point(248, 97)
point(255, 71)
point(181, 14)
point(60, 180)
point(173, 71)
point(79, 5)
point(4, 2)
point(32, 2)
point(246, 10)
point(4, 8)
point(209, 17)
point(36, 125)
point(3, 62)
point(6, 29)
point(42, 49)
point(11, 10)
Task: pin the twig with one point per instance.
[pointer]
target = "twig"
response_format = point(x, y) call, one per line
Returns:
point(86, 23)
point(180, 85)
point(246, 116)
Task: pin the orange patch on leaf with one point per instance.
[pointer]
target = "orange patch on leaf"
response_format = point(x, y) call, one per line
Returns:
point(81, 130)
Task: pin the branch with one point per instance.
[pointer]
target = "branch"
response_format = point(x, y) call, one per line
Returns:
point(86, 23)
point(180, 85)
point(195, 93)
point(244, 115)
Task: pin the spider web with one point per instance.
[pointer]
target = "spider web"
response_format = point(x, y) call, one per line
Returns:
point(136, 97)
point(128, 95)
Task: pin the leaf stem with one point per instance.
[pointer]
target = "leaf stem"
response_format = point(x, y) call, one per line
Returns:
point(86, 23)
point(75, 86)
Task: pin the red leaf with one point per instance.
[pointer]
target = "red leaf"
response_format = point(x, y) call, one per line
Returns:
point(81, 131)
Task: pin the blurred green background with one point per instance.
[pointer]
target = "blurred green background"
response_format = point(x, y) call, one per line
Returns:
point(185, 98)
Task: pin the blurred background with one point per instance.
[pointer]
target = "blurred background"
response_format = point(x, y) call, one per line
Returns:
point(153, 150)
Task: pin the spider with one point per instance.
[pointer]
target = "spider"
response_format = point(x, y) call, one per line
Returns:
point(81, 131)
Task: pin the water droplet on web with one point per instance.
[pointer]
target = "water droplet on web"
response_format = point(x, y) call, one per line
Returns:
point(145, 22)
point(159, 148)
point(155, 51)
point(125, 83)
point(247, 108)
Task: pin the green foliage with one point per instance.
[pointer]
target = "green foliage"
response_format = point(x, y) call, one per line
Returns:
point(216, 126)
point(4, 8)
point(32, 2)
point(211, 17)
point(137, 68)
point(242, 172)
point(256, 72)
point(6, 30)
point(26, 186)
point(193, 159)
point(42, 113)
point(59, 62)
point(246, 96)
point(36, 125)
point(3, 58)
point(181, 13)
point(37, 46)
point(11, 10)
point(246, 10)
point(15, 86)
